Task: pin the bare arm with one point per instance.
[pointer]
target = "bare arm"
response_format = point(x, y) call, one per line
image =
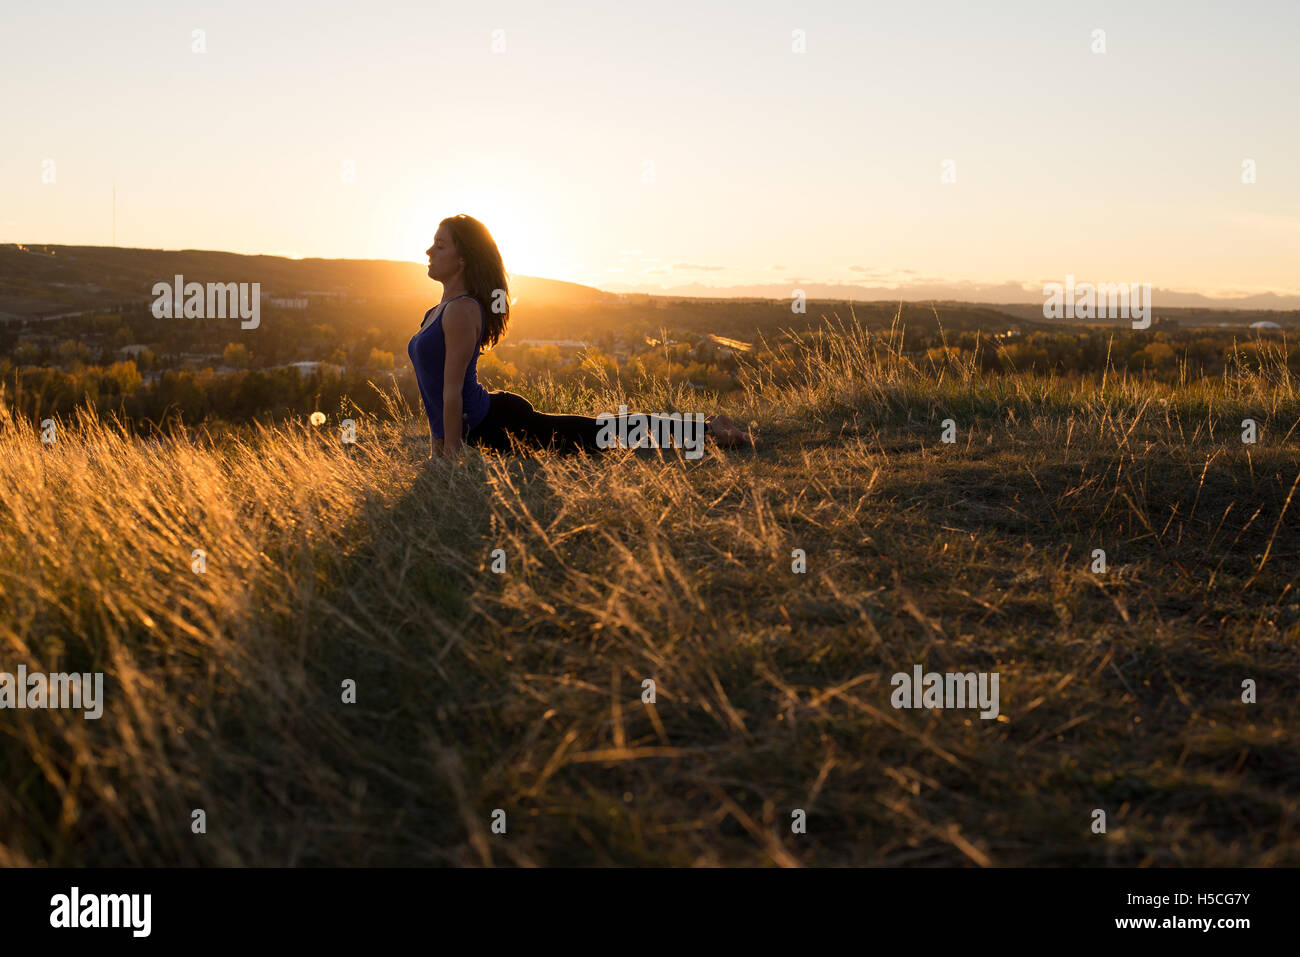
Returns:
point(460, 329)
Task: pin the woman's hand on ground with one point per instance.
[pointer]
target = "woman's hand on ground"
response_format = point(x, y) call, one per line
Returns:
point(442, 456)
point(726, 433)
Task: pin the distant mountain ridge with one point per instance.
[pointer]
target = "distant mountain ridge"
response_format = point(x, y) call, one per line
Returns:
point(37, 279)
point(984, 293)
point(45, 279)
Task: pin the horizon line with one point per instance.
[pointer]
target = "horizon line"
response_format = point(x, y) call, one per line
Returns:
point(1217, 298)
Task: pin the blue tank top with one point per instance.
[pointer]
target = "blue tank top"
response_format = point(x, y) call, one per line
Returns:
point(428, 352)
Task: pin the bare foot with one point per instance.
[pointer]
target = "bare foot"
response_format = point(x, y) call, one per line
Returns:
point(725, 432)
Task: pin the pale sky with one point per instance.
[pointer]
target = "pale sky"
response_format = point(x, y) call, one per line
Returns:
point(672, 142)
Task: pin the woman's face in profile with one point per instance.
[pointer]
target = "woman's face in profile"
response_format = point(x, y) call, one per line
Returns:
point(443, 260)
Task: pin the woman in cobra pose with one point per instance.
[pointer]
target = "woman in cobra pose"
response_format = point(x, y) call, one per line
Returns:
point(454, 333)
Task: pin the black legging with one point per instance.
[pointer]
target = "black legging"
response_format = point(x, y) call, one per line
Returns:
point(509, 414)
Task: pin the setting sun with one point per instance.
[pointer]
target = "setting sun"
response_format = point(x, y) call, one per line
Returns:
point(527, 241)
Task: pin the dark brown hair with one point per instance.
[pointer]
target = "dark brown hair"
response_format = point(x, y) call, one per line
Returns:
point(485, 273)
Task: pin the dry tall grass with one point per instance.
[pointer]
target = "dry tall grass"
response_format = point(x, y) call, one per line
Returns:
point(523, 691)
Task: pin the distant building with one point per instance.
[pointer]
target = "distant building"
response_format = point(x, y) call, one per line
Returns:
point(198, 358)
point(306, 369)
point(1264, 324)
point(559, 343)
point(734, 345)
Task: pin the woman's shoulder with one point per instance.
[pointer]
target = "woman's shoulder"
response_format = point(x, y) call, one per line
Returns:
point(462, 311)
point(459, 303)
point(470, 299)
point(461, 314)
point(470, 323)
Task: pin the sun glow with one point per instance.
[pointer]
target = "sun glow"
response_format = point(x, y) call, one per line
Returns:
point(527, 239)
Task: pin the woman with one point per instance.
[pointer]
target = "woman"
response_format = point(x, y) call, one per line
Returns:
point(445, 351)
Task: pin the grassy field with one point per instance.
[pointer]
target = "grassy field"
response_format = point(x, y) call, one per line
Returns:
point(522, 691)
